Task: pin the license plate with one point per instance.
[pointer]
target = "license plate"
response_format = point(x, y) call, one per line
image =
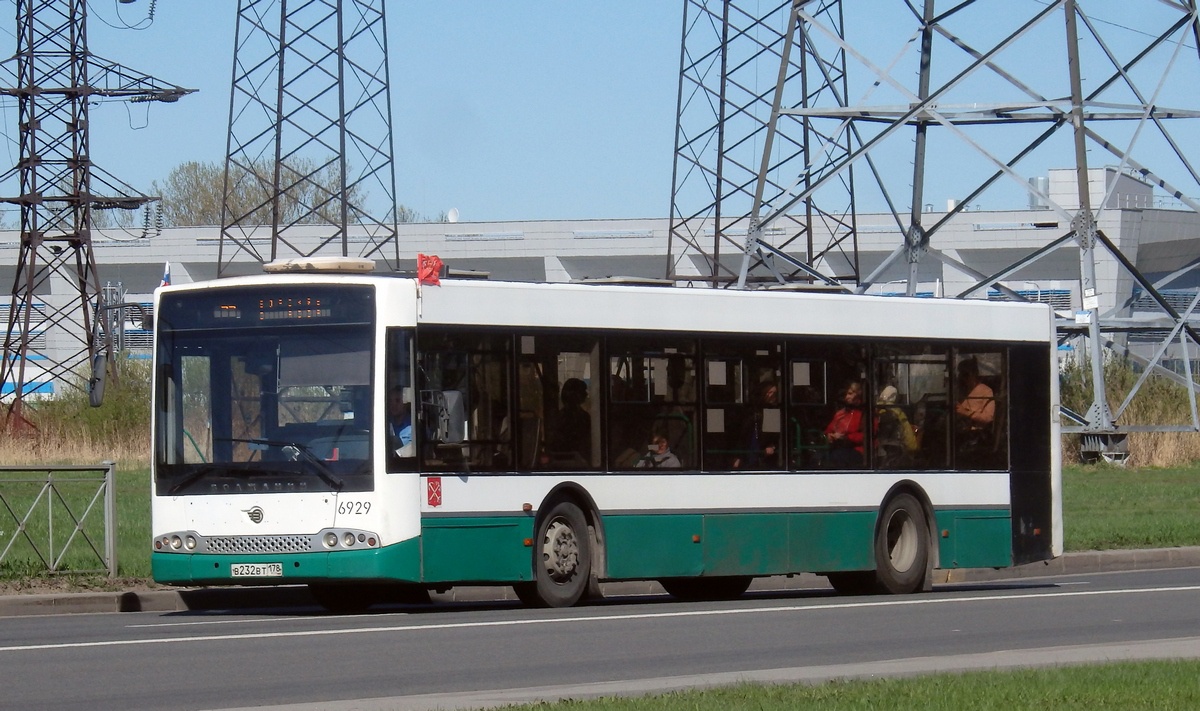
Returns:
point(256, 570)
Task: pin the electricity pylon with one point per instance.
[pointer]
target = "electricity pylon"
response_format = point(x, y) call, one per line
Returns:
point(309, 153)
point(787, 107)
point(55, 329)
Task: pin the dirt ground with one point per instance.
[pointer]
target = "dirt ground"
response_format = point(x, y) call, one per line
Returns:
point(74, 584)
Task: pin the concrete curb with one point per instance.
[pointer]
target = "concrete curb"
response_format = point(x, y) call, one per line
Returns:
point(246, 598)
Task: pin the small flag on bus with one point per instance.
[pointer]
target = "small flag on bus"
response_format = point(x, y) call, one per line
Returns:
point(429, 269)
point(166, 280)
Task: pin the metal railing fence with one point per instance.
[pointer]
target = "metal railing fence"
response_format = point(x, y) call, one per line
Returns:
point(58, 519)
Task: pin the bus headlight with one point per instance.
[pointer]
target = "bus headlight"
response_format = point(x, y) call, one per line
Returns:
point(176, 542)
point(340, 539)
point(190, 542)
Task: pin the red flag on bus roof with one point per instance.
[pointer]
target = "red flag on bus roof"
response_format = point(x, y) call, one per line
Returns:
point(429, 268)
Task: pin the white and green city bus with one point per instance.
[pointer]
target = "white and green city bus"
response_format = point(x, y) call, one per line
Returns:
point(563, 435)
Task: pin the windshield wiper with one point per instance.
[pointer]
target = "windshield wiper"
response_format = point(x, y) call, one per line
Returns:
point(296, 451)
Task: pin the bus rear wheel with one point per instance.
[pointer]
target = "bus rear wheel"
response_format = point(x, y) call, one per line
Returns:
point(902, 546)
point(562, 559)
point(719, 588)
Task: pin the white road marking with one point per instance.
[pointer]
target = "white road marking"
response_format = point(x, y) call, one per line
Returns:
point(597, 618)
point(244, 620)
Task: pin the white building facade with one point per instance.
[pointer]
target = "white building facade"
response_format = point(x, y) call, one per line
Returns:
point(1157, 240)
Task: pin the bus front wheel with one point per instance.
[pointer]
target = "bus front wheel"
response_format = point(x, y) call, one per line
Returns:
point(562, 559)
point(902, 546)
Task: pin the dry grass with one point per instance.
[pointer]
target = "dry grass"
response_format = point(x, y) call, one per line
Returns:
point(1163, 449)
point(44, 447)
point(1159, 402)
point(67, 430)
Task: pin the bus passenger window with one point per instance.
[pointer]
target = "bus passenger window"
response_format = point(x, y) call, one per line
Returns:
point(911, 410)
point(651, 408)
point(465, 422)
point(980, 418)
point(531, 421)
point(744, 416)
point(562, 399)
point(809, 413)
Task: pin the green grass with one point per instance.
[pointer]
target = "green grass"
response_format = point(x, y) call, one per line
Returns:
point(133, 522)
point(57, 525)
point(66, 504)
point(1107, 508)
point(1128, 685)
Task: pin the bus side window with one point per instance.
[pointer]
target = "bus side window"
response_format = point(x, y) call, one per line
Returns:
point(809, 413)
point(980, 422)
point(651, 403)
point(743, 415)
point(399, 418)
point(465, 419)
point(566, 368)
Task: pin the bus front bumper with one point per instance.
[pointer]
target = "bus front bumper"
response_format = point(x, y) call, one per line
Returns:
point(396, 563)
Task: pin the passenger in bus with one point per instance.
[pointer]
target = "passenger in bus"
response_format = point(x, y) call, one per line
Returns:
point(399, 421)
point(660, 455)
point(845, 430)
point(762, 440)
point(976, 414)
point(895, 438)
point(977, 408)
point(572, 434)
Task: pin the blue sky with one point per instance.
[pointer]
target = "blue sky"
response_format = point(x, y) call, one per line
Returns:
point(534, 109)
point(504, 110)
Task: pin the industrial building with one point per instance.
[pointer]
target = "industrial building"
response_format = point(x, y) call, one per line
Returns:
point(1159, 239)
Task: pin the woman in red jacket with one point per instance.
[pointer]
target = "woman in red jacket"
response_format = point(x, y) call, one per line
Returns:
point(845, 431)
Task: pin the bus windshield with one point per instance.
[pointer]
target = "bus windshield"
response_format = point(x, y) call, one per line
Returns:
point(286, 408)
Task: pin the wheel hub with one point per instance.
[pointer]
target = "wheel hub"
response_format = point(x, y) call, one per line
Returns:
point(560, 551)
point(902, 542)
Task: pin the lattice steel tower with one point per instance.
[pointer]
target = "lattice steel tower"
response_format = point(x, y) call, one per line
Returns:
point(739, 146)
point(309, 155)
point(787, 109)
point(55, 295)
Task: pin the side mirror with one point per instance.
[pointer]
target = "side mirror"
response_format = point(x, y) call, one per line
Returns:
point(96, 382)
point(446, 416)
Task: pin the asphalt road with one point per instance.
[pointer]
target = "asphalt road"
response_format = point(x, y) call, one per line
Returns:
point(466, 655)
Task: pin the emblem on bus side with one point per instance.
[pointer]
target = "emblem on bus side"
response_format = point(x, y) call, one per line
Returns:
point(255, 514)
point(433, 491)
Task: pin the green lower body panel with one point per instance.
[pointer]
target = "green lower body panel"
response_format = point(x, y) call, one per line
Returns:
point(476, 549)
point(975, 539)
point(637, 546)
point(737, 544)
point(400, 562)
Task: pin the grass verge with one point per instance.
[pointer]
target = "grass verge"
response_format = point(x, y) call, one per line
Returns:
point(1164, 685)
point(1109, 508)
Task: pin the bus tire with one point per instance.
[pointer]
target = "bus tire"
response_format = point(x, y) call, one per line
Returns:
point(562, 559)
point(901, 546)
point(717, 588)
